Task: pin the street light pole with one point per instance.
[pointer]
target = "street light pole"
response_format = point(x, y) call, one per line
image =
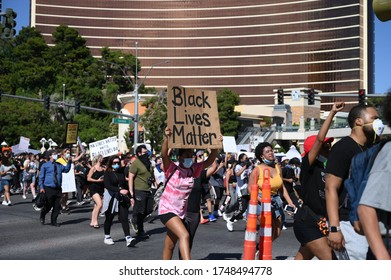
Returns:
point(135, 139)
point(63, 94)
point(136, 87)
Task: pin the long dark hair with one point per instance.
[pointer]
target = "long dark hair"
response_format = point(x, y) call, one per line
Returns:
point(109, 167)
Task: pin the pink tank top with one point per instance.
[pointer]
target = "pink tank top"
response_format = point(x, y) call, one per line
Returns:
point(175, 196)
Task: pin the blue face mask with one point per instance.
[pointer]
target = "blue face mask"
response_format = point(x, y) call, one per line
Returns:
point(67, 156)
point(115, 166)
point(187, 162)
point(268, 162)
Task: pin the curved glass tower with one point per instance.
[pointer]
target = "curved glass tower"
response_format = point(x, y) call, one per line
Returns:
point(251, 46)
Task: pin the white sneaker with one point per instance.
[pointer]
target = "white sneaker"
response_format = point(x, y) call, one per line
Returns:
point(24, 196)
point(230, 226)
point(130, 241)
point(226, 217)
point(219, 213)
point(5, 203)
point(284, 227)
point(108, 241)
point(80, 203)
point(9, 203)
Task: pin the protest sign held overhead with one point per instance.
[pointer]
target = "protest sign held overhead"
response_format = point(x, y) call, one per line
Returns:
point(193, 118)
point(106, 147)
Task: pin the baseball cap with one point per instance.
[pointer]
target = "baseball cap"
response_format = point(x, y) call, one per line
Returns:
point(284, 158)
point(309, 142)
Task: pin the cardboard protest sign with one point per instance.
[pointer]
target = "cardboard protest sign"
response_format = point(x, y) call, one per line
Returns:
point(71, 133)
point(193, 118)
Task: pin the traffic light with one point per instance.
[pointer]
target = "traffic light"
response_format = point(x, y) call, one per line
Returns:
point(46, 102)
point(311, 97)
point(131, 135)
point(141, 137)
point(8, 24)
point(361, 96)
point(280, 96)
point(77, 107)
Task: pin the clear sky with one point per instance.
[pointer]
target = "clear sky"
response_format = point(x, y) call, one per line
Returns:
point(382, 39)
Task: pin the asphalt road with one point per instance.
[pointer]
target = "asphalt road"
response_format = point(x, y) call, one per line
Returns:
point(24, 238)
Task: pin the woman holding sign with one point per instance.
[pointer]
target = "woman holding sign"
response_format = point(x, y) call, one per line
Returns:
point(173, 202)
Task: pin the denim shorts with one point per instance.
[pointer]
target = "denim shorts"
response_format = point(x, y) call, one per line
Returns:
point(5, 182)
point(277, 206)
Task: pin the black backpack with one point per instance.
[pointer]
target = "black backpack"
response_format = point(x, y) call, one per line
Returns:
point(40, 200)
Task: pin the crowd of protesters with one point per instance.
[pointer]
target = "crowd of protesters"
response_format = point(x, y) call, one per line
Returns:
point(186, 188)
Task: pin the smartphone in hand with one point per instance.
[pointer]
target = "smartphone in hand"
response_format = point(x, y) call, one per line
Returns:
point(290, 209)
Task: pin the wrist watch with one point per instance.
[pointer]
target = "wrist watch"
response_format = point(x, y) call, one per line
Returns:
point(334, 229)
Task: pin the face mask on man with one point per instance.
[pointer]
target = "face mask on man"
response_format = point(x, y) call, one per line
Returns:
point(187, 162)
point(377, 130)
point(55, 157)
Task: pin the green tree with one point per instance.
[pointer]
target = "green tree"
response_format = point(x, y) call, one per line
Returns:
point(154, 119)
point(229, 122)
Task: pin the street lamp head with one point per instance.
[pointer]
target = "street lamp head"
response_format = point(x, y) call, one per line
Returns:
point(43, 140)
point(4, 144)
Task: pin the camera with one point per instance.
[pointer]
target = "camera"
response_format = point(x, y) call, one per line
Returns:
point(290, 209)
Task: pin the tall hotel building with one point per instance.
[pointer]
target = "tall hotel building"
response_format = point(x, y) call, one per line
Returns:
point(250, 46)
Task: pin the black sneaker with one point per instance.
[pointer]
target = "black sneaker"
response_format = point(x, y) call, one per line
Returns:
point(143, 235)
point(65, 211)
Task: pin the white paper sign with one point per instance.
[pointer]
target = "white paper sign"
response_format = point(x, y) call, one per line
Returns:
point(68, 181)
point(295, 95)
point(24, 143)
point(229, 144)
point(106, 147)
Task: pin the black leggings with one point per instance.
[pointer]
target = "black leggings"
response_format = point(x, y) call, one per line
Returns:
point(240, 208)
point(123, 212)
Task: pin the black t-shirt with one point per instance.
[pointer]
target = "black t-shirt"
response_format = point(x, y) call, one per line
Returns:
point(313, 186)
point(82, 172)
point(338, 164)
point(199, 191)
point(217, 179)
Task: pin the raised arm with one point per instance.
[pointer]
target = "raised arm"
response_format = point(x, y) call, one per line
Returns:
point(213, 154)
point(314, 152)
point(165, 152)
